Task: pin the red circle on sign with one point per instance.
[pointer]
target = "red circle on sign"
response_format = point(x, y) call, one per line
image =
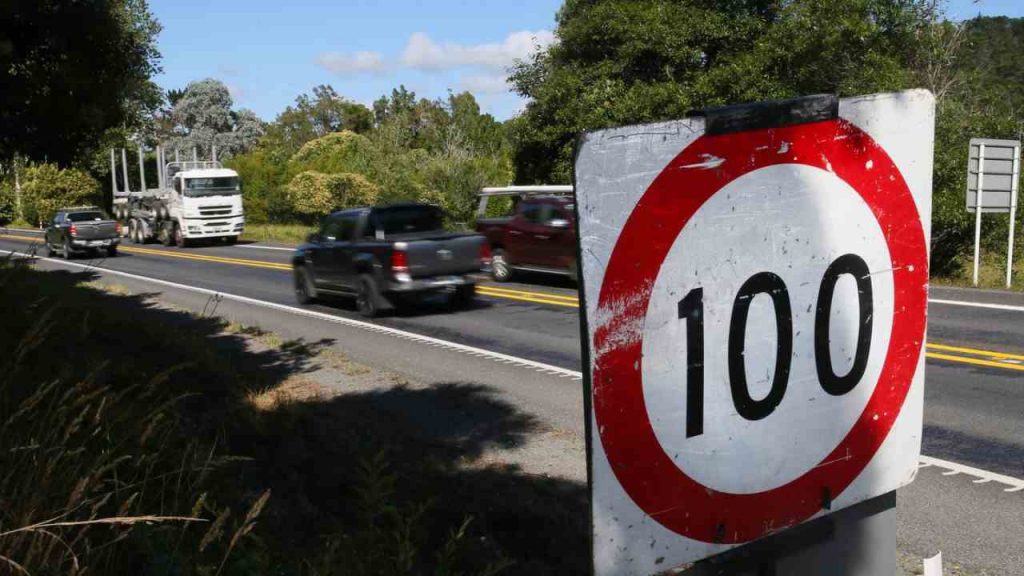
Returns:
point(637, 459)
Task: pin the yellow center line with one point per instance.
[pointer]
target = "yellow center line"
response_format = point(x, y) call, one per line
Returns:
point(208, 258)
point(975, 361)
point(567, 299)
point(486, 292)
point(977, 352)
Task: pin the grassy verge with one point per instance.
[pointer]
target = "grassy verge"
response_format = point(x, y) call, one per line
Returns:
point(135, 439)
point(283, 233)
point(991, 274)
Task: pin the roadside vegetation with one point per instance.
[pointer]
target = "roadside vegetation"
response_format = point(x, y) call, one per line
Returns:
point(142, 439)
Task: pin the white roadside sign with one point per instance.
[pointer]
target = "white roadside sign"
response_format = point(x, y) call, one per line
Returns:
point(755, 289)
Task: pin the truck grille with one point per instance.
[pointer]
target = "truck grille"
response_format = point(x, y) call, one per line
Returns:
point(215, 211)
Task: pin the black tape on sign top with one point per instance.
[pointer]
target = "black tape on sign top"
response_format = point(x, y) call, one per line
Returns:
point(757, 116)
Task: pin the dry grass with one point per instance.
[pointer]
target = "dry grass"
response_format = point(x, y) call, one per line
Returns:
point(282, 233)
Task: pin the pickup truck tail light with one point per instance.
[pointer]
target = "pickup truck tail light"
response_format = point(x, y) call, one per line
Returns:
point(485, 254)
point(117, 226)
point(399, 262)
point(73, 230)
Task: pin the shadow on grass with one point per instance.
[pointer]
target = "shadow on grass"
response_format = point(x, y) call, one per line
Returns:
point(387, 481)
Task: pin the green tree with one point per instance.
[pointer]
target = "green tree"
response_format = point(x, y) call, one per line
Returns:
point(202, 118)
point(315, 194)
point(314, 117)
point(46, 188)
point(71, 70)
point(629, 61)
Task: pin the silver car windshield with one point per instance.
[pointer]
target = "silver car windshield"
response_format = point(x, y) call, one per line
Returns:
point(216, 186)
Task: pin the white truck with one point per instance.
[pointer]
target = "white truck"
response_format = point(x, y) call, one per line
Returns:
point(193, 200)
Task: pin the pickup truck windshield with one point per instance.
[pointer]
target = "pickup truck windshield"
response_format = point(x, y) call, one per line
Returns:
point(86, 216)
point(407, 220)
point(212, 186)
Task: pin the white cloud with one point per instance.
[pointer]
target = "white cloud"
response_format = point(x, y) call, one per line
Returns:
point(485, 83)
point(237, 92)
point(352, 63)
point(423, 53)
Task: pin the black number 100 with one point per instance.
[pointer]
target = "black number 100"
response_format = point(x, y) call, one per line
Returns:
point(691, 308)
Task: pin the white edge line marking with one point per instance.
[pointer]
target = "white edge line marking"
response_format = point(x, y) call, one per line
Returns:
point(983, 476)
point(977, 305)
point(1015, 485)
point(255, 247)
point(497, 356)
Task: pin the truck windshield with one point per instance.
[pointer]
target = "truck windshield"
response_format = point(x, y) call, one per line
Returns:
point(212, 186)
point(407, 220)
point(86, 216)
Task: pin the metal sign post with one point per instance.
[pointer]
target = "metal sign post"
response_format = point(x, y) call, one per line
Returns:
point(1013, 215)
point(977, 212)
point(993, 171)
point(754, 302)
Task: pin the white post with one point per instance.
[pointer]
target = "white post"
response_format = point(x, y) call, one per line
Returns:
point(159, 171)
point(1013, 214)
point(195, 154)
point(18, 211)
point(113, 173)
point(978, 203)
point(213, 152)
point(142, 170)
point(124, 170)
point(176, 155)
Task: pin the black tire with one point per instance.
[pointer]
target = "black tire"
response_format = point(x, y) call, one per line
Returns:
point(305, 288)
point(166, 235)
point(230, 240)
point(67, 250)
point(463, 297)
point(112, 252)
point(49, 249)
point(368, 298)
point(500, 269)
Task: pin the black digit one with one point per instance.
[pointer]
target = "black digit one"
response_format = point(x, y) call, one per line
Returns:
point(772, 285)
point(854, 266)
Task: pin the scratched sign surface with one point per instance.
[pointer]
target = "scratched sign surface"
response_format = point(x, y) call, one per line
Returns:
point(756, 297)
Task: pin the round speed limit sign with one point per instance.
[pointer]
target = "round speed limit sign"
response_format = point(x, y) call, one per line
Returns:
point(755, 328)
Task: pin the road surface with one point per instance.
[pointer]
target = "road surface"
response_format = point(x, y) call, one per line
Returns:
point(974, 403)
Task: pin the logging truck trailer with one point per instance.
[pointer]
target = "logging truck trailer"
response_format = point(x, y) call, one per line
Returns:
point(193, 201)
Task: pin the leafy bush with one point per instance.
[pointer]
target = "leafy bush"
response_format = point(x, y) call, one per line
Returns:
point(7, 203)
point(46, 188)
point(315, 193)
point(263, 186)
point(337, 152)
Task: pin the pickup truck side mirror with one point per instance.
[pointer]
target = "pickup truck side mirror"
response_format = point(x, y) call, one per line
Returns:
point(558, 223)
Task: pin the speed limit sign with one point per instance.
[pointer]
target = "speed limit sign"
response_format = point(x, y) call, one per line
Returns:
point(755, 285)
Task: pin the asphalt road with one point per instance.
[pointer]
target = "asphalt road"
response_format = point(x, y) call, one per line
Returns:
point(974, 404)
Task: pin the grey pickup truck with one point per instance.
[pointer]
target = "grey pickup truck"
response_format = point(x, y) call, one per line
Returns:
point(387, 253)
point(82, 230)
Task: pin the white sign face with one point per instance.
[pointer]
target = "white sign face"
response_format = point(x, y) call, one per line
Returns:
point(756, 301)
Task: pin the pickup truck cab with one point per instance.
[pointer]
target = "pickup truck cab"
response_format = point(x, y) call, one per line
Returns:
point(386, 253)
point(540, 236)
point(82, 230)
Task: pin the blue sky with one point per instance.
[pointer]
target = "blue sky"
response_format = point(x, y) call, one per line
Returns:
point(269, 52)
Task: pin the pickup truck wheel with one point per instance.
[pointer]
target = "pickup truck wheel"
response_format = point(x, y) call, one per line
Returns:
point(305, 289)
point(49, 249)
point(463, 297)
point(368, 297)
point(500, 270)
point(112, 252)
point(67, 250)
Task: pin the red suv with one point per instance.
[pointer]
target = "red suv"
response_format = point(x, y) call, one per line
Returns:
point(540, 236)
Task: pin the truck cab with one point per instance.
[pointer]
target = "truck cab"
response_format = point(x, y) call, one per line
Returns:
point(205, 201)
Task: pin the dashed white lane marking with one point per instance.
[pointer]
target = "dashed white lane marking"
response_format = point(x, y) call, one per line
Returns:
point(369, 327)
point(980, 476)
point(952, 468)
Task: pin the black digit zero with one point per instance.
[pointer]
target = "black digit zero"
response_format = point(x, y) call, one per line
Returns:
point(856, 267)
point(773, 286)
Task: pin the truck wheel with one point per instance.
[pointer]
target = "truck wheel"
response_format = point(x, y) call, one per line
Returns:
point(305, 288)
point(179, 238)
point(166, 237)
point(67, 249)
point(500, 270)
point(463, 297)
point(112, 252)
point(230, 240)
point(368, 297)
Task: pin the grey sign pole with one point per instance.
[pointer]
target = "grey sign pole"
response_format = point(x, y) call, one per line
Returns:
point(979, 208)
point(1013, 214)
